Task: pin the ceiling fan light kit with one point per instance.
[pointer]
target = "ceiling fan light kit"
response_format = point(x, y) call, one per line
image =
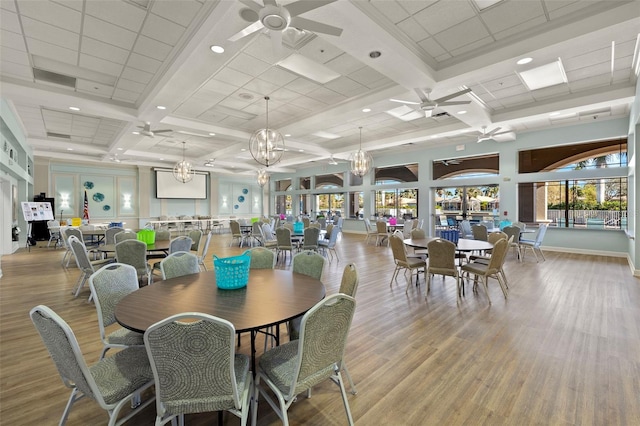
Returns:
point(266, 145)
point(183, 171)
point(361, 161)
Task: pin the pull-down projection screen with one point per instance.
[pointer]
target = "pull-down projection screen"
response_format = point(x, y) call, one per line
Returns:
point(168, 187)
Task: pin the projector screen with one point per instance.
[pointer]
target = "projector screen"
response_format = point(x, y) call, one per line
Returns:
point(168, 187)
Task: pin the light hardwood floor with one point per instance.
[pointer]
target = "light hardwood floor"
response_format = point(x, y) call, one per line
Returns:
point(564, 349)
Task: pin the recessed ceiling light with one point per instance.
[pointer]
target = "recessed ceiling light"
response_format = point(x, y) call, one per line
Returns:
point(136, 133)
point(69, 149)
point(524, 61)
point(161, 107)
point(74, 108)
point(119, 149)
point(462, 112)
point(212, 134)
point(161, 159)
point(366, 110)
point(287, 135)
point(243, 149)
point(217, 49)
point(301, 150)
point(375, 54)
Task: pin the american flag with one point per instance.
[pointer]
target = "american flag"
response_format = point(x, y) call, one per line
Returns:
point(85, 211)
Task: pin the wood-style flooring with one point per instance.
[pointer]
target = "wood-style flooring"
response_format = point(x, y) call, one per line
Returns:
point(564, 349)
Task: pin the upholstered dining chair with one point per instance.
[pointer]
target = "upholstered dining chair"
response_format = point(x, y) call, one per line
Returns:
point(442, 261)
point(261, 258)
point(514, 231)
point(200, 378)
point(112, 382)
point(109, 234)
point(328, 246)
point(402, 261)
point(85, 265)
point(236, 233)
point(204, 249)
point(283, 238)
point(490, 270)
point(54, 232)
point(109, 285)
point(479, 232)
point(382, 235)
point(179, 263)
point(134, 253)
point(534, 245)
point(196, 236)
point(311, 264)
point(349, 286)
point(296, 366)
point(66, 233)
point(465, 229)
point(270, 240)
point(311, 237)
point(492, 238)
point(125, 235)
point(371, 233)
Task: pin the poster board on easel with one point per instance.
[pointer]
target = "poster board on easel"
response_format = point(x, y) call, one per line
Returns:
point(36, 210)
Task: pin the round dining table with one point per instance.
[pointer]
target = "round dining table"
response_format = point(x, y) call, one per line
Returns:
point(271, 297)
point(159, 245)
point(464, 245)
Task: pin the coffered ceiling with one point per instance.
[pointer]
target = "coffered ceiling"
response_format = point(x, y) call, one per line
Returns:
point(118, 60)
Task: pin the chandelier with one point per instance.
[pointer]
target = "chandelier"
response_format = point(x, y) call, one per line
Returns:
point(266, 145)
point(182, 171)
point(263, 177)
point(361, 161)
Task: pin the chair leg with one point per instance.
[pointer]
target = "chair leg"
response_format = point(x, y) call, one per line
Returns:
point(75, 396)
point(346, 372)
point(345, 401)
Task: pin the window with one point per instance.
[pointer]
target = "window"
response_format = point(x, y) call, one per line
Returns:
point(589, 203)
point(305, 183)
point(330, 205)
point(476, 203)
point(397, 203)
point(283, 204)
point(396, 174)
point(334, 180)
point(594, 193)
point(356, 205)
point(283, 185)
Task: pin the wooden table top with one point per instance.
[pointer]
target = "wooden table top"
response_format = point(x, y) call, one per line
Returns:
point(463, 244)
point(271, 297)
point(161, 245)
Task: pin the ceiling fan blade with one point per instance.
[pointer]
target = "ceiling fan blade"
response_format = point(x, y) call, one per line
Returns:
point(162, 131)
point(405, 102)
point(315, 26)
point(446, 103)
point(252, 5)
point(451, 96)
point(494, 131)
point(422, 96)
point(270, 2)
point(256, 26)
point(302, 6)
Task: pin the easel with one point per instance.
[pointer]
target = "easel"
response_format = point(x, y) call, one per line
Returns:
point(35, 212)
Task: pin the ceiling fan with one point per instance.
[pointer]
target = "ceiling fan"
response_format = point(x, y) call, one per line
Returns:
point(451, 162)
point(114, 158)
point(278, 18)
point(147, 131)
point(488, 135)
point(429, 105)
point(210, 162)
point(334, 162)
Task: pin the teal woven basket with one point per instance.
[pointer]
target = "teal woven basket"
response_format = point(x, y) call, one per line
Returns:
point(232, 272)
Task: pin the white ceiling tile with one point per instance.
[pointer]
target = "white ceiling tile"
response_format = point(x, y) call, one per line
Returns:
point(108, 33)
point(143, 63)
point(550, 92)
point(124, 95)
point(390, 10)
point(517, 100)
point(260, 86)
point(327, 96)
point(46, 11)
point(444, 14)
point(152, 48)
point(162, 30)
point(585, 72)
point(346, 86)
point(432, 47)
point(592, 58)
point(104, 51)
point(471, 47)
point(625, 47)
point(117, 12)
point(261, 48)
point(8, 6)
point(16, 56)
point(278, 76)
point(77, 5)
point(100, 65)
point(94, 88)
point(302, 85)
point(505, 92)
point(443, 57)
point(507, 14)
point(284, 95)
point(413, 6)
point(233, 77)
point(60, 54)
point(622, 76)
point(216, 86)
point(10, 21)
point(50, 34)
point(13, 69)
point(12, 40)
point(136, 75)
point(125, 84)
point(462, 34)
point(344, 64)
point(308, 103)
point(248, 64)
point(320, 50)
point(517, 30)
point(234, 102)
point(567, 8)
point(366, 76)
point(412, 29)
point(182, 12)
